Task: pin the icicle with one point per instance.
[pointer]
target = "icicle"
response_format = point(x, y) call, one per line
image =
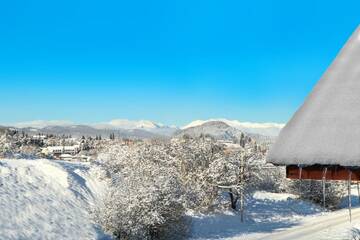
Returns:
point(349, 194)
point(323, 185)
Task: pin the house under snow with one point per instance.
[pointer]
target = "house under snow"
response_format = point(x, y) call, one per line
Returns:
point(323, 137)
point(57, 151)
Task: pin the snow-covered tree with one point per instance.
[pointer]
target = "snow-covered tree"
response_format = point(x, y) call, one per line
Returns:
point(145, 200)
point(206, 166)
point(154, 182)
point(194, 157)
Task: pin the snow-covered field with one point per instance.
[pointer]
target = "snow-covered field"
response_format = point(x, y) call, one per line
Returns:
point(42, 199)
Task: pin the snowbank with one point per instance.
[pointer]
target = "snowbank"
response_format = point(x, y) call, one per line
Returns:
point(42, 199)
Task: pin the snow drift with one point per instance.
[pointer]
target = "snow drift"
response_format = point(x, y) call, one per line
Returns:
point(41, 199)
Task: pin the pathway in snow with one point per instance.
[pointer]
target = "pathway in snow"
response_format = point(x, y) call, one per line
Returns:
point(334, 225)
point(279, 216)
point(42, 199)
point(266, 213)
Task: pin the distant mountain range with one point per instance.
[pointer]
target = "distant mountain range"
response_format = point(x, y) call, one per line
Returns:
point(265, 129)
point(83, 130)
point(219, 128)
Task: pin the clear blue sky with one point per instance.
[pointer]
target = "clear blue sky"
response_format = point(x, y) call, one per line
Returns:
point(166, 61)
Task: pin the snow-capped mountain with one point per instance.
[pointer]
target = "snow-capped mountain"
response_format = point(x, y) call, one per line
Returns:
point(84, 130)
point(127, 124)
point(217, 129)
point(38, 124)
point(113, 124)
point(121, 127)
point(149, 126)
point(265, 129)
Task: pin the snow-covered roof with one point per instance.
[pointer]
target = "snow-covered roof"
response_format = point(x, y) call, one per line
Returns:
point(55, 148)
point(72, 147)
point(326, 129)
point(66, 156)
point(65, 148)
point(39, 136)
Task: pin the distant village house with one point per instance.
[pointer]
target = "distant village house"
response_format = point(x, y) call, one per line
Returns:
point(61, 151)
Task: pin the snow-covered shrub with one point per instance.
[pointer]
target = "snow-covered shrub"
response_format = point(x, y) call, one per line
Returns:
point(145, 200)
point(194, 157)
point(313, 190)
point(269, 178)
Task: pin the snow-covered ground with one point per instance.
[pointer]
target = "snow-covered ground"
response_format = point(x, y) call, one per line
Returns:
point(42, 199)
point(276, 216)
point(265, 213)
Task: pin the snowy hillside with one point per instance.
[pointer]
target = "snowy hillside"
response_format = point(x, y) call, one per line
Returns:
point(265, 129)
point(41, 199)
point(217, 129)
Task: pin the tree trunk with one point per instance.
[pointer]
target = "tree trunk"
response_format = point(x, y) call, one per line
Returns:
point(241, 206)
point(233, 200)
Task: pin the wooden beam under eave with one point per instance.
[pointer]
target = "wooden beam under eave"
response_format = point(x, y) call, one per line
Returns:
point(316, 172)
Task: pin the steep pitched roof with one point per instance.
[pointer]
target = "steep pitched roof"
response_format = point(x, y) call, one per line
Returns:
point(326, 129)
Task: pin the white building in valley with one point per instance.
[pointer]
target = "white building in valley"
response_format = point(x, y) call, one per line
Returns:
point(57, 151)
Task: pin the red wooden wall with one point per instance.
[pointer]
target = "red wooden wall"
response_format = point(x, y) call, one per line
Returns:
point(316, 172)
